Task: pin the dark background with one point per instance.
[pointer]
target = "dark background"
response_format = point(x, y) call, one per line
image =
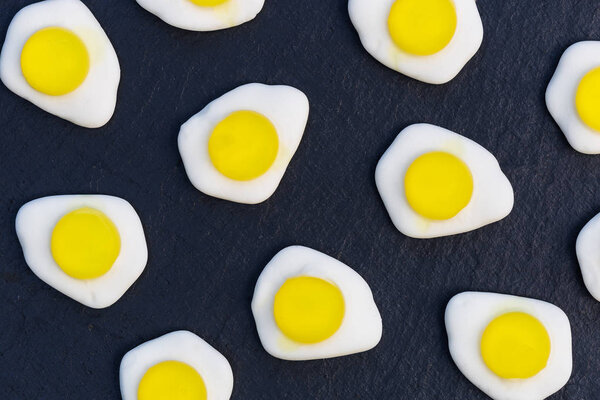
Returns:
point(205, 254)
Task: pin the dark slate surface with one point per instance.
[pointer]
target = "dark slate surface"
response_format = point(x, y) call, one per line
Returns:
point(205, 254)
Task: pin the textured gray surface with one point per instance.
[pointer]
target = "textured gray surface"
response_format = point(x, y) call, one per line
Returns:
point(205, 254)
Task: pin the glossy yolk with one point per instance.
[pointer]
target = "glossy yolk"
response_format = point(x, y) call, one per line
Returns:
point(422, 27)
point(438, 185)
point(308, 310)
point(208, 3)
point(243, 146)
point(515, 346)
point(85, 243)
point(55, 61)
point(171, 380)
point(588, 99)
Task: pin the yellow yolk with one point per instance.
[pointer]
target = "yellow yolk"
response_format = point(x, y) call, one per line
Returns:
point(587, 99)
point(85, 243)
point(308, 310)
point(208, 3)
point(422, 27)
point(171, 380)
point(515, 346)
point(243, 146)
point(55, 61)
point(438, 185)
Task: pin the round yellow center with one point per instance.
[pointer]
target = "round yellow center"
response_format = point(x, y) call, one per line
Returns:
point(308, 309)
point(208, 3)
point(422, 27)
point(55, 61)
point(85, 243)
point(515, 346)
point(587, 99)
point(172, 380)
point(243, 146)
point(438, 185)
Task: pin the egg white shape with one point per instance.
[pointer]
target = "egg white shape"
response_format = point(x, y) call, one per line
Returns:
point(34, 225)
point(182, 346)
point(574, 64)
point(93, 103)
point(361, 327)
point(369, 18)
point(186, 15)
point(492, 198)
point(588, 255)
point(467, 316)
point(286, 107)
